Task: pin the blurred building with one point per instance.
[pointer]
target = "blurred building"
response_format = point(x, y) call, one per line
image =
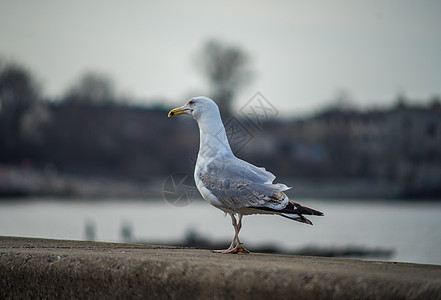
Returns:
point(400, 148)
point(412, 149)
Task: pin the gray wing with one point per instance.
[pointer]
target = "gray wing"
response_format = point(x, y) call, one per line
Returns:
point(238, 184)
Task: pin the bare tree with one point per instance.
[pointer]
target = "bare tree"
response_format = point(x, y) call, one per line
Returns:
point(18, 95)
point(92, 88)
point(227, 69)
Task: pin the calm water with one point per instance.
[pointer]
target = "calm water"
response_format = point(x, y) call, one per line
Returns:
point(411, 229)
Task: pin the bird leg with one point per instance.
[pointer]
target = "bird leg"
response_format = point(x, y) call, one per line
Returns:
point(239, 247)
point(233, 242)
point(236, 245)
point(236, 233)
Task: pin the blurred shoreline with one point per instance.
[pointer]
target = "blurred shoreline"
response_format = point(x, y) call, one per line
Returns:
point(19, 182)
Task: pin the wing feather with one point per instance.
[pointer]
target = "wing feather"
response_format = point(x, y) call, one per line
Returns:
point(238, 184)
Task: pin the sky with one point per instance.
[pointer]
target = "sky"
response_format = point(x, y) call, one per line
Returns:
point(303, 53)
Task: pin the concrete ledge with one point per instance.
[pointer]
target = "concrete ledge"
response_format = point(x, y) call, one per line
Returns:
point(37, 268)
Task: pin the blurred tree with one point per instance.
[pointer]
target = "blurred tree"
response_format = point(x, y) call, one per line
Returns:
point(18, 96)
point(401, 101)
point(342, 101)
point(92, 88)
point(227, 69)
point(435, 102)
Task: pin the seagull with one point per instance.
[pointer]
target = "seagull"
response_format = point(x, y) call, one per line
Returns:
point(231, 184)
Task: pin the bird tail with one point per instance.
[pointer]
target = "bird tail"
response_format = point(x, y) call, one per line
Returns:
point(294, 211)
point(298, 218)
point(296, 208)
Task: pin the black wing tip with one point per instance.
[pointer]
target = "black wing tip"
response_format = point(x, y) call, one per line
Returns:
point(294, 207)
point(289, 209)
point(312, 212)
point(299, 218)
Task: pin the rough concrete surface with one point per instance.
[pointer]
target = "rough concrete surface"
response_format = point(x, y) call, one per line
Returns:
point(38, 268)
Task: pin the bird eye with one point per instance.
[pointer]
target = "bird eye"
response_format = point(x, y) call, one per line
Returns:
point(191, 102)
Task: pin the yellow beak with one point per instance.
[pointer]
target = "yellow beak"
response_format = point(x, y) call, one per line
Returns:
point(177, 111)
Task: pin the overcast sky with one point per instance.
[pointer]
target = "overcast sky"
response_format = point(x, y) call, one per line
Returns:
point(303, 52)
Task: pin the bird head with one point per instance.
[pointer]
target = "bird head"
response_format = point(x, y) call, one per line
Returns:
point(197, 107)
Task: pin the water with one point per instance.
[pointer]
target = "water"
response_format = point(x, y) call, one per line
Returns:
point(411, 229)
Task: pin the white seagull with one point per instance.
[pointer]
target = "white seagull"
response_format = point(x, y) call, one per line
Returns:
point(233, 185)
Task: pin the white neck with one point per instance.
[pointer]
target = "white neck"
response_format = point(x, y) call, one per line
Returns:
point(213, 138)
